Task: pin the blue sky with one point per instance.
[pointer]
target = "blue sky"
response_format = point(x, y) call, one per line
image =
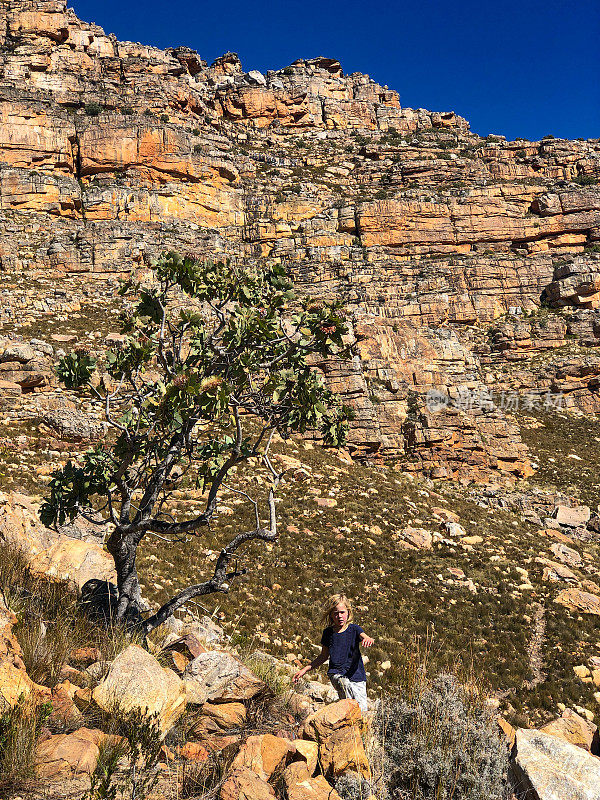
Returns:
point(522, 69)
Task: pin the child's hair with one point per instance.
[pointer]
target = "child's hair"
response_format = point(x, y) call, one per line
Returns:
point(334, 601)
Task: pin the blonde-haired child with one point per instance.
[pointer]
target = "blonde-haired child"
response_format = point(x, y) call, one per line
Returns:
point(340, 643)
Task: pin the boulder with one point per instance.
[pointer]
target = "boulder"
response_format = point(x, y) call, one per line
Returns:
point(64, 710)
point(20, 524)
point(75, 561)
point(300, 785)
point(548, 768)
point(572, 517)
point(577, 600)
point(244, 784)
point(454, 529)
point(445, 514)
point(182, 651)
point(72, 425)
point(65, 755)
point(193, 751)
point(136, 681)
point(333, 717)
point(308, 752)
point(320, 692)
point(337, 728)
point(567, 555)
point(219, 677)
point(51, 554)
point(14, 683)
point(22, 353)
point(554, 572)
point(219, 718)
point(10, 649)
point(263, 754)
point(574, 729)
point(415, 538)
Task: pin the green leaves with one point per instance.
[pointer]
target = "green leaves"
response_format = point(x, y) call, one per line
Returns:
point(75, 369)
point(72, 487)
point(204, 342)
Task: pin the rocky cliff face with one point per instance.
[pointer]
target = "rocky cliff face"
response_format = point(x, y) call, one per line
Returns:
point(443, 245)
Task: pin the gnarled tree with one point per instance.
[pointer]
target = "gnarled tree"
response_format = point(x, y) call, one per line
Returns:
point(214, 360)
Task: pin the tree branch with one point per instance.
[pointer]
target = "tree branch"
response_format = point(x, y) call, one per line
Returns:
point(218, 582)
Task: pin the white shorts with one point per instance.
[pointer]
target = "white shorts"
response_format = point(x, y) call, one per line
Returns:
point(355, 690)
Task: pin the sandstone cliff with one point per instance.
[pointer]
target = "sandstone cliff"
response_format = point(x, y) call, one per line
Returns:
point(443, 244)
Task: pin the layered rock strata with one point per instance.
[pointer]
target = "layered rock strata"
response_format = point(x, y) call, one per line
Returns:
point(111, 152)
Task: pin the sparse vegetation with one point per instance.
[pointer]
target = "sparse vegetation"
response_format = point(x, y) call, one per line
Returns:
point(93, 109)
point(437, 741)
point(20, 728)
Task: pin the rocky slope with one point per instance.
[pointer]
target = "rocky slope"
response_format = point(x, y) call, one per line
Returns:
point(443, 245)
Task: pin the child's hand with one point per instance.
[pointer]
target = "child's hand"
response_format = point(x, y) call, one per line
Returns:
point(300, 674)
point(366, 641)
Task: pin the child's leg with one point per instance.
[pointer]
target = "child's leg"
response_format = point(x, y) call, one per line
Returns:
point(357, 690)
point(339, 684)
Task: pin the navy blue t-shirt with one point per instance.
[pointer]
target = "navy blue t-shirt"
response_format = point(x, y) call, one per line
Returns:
point(344, 652)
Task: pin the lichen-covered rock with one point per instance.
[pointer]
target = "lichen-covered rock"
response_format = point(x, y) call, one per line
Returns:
point(219, 677)
point(548, 768)
point(137, 682)
point(66, 755)
point(263, 754)
point(338, 730)
point(244, 784)
point(575, 729)
point(300, 785)
point(578, 600)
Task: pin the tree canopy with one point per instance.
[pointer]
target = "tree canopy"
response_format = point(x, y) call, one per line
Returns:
point(214, 359)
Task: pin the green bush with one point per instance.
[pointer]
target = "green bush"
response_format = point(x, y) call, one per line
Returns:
point(586, 180)
point(164, 117)
point(440, 742)
point(127, 111)
point(93, 109)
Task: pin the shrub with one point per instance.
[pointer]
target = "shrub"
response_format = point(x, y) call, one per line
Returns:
point(196, 131)
point(20, 729)
point(198, 148)
point(204, 779)
point(137, 742)
point(585, 180)
point(93, 109)
point(127, 111)
point(268, 671)
point(288, 71)
point(351, 786)
point(440, 742)
point(164, 117)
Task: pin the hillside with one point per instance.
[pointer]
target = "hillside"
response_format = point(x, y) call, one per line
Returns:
point(464, 510)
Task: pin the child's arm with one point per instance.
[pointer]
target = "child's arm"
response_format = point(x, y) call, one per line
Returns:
point(365, 640)
point(320, 659)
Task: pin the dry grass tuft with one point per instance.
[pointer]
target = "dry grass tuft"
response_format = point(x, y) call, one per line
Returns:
point(20, 729)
